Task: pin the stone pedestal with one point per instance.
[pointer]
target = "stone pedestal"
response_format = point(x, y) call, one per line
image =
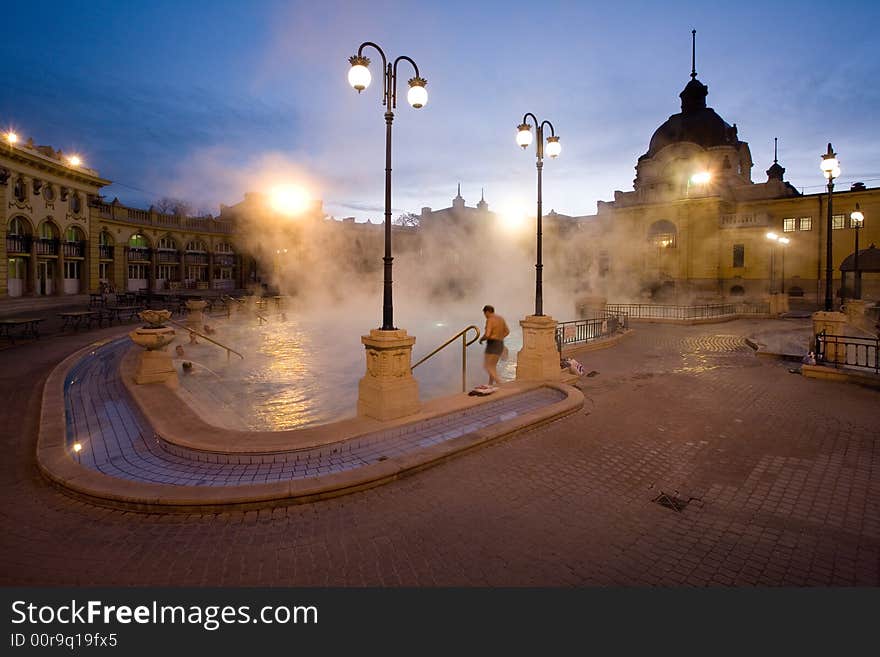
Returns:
point(154, 364)
point(538, 360)
point(195, 315)
point(388, 390)
point(778, 303)
point(854, 309)
point(833, 323)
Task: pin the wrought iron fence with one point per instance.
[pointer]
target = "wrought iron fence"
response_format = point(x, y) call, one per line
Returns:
point(705, 311)
point(582, 331)
point(848, 351)
point(18, 244)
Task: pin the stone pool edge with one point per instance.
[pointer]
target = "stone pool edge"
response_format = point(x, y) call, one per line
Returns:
point(60, 469)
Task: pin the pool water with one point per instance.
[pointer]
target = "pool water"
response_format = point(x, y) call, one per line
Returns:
point(301, 371)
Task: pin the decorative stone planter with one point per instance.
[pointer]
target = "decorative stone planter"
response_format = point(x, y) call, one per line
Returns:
point(154, 364)
point(538, 360)
point(195, 316)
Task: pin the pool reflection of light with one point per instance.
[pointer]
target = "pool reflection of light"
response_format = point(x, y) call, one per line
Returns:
point(300, 371)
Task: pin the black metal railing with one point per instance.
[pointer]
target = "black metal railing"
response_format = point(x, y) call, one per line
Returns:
point(848, 351)
point(73, 249)
point(138, 254)
point(47, 246)
point(105, 252)
point(18, 243)
point(705, 311)
point(582, 331)
point(196, 258)
point(167, 257)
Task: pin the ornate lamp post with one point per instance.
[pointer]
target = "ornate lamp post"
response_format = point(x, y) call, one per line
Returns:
point(359, 77)
point(831, 169)
point(388, 389)
point(783, 241)
point(857, 219)
point(538, 359)
point(523, 139)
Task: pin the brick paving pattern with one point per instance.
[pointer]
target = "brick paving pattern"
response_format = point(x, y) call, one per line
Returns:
point(118, 441)
point(781, 475)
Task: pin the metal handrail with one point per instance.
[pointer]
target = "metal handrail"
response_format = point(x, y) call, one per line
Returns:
point(464, 345)
point(202, 335)
point(242, 302)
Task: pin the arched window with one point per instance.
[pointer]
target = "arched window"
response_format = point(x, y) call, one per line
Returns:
point(19, 226)
point(74, 234)
point(138, 241)
point(105, 239)
point(48, 231)
point(223, 247)
point(737, 291)
point(196, 246)
point(167, 243)
point(662, 234)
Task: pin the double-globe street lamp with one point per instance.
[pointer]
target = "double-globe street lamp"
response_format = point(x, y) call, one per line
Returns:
point(553, 148)
point(831, 169)
point(783, 242)
point(857, 219)
point(359, 77)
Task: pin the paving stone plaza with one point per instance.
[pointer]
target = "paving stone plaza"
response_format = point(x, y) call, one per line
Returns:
point(770, 479)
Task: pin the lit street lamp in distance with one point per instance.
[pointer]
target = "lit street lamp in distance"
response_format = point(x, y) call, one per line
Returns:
point(783, 242)
point(857, 220)
point(830, 167)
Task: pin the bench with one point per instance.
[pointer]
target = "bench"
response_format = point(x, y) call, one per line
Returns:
point(75, 319)
point(30, 327)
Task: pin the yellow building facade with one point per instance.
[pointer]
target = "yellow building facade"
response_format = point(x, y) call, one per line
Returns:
point(58, 237)
point(695, 225)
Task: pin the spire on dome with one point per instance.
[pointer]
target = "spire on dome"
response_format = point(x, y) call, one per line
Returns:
point(693, 97)
point(776, 171)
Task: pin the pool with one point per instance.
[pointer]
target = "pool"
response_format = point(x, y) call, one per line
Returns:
point(300, 370)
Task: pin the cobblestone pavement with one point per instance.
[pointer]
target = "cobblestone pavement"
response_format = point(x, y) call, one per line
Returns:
point(781, 475)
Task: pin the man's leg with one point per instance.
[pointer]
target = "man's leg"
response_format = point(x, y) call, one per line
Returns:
point(492, 364)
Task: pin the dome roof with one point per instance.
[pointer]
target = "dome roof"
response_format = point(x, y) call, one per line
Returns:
point(869, 260)
point(695, 123)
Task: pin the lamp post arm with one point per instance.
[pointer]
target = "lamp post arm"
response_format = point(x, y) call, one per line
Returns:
point(394, 77)
point(552, 131)
point(386, 91)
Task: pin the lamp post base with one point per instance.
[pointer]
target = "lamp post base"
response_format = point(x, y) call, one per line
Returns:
point(538, 360)
point(388, 390)
point(832, 323)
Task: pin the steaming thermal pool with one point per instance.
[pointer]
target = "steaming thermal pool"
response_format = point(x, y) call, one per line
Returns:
point(299, 371)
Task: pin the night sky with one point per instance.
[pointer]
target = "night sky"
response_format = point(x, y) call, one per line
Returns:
point(207, 100)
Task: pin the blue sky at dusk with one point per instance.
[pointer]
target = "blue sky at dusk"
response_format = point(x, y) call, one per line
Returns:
point(208, 100)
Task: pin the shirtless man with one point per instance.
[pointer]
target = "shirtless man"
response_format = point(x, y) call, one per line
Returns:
point(493, 335)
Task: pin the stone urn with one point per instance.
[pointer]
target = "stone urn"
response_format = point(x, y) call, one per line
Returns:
point(154, 363)
point(195, 315)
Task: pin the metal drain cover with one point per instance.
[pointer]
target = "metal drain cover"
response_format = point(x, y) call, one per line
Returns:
point(671, 502)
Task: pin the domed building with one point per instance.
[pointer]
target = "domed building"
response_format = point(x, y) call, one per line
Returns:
point(694, 227)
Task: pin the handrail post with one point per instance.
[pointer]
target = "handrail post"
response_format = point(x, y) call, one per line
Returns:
point(463, 362)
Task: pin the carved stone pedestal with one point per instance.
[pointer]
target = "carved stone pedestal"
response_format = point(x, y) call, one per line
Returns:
point(833, 323)
point(195, 315)
point(388, 390)
point(154, 364)
point(538, 360)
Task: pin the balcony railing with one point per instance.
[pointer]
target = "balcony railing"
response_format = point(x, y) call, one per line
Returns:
point(706, 311)
point(138, 254)
point(167, 257)
point(105, 252)
point(224, 260)
point(73, 249)
point(196, 258)
point(147, 218)
point(47, 246)
point(18, 243)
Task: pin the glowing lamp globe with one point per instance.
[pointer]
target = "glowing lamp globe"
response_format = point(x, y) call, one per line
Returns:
point(829, 165)
point(74, 160)
point(524, 135)
point(417, 96)
point(359, 75)
point(857, 217)
point(701, 177)
point(784, 240)
point(288, 200)
point(553, 148)
point(11, 137)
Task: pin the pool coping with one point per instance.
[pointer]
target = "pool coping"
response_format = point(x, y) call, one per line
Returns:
point(57, 465)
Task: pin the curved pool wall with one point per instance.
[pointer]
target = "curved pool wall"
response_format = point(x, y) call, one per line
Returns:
point(299, 372)
point(117, 440)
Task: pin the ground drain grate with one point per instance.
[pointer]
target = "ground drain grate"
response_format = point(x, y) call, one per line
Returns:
point(671, 502)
